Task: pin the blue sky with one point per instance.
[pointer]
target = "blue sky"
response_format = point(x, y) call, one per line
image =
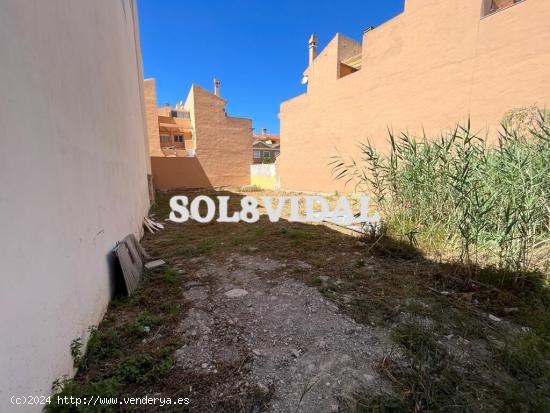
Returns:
point(257, 48)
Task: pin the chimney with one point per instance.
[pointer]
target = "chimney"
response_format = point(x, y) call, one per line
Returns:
point(217, 87)
point(264, 131)
point(312, 48)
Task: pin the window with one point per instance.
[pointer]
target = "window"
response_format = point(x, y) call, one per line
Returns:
point(257, 154)
point(178, 138)
point(165, 139)
point(267, 154)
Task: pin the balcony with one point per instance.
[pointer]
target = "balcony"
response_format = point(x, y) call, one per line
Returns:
point(181, 114)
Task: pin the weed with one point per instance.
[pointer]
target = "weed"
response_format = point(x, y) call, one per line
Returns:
point(308, 386)
point(316, 281)
point(118, 362)
point(184, 251)
point(522, 359)
point(298, 234)
point(173, 310)
point(485, 201)
point(144, 368)
point(371, 402)
point(430, 380)
point(103, 344)
point(251, 188)
point(205, 245)
point(171, 276)
point(260, 231)
point(104, 388)
point(143, 324)
point(526, 360)
point(76, 352)
point(237, 241)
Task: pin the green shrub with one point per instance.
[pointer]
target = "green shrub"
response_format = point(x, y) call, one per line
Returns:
point(103, 344)
point(171, 276)
point(143, 369)
point(144, 323)
point(76, 352)
point(105, 389)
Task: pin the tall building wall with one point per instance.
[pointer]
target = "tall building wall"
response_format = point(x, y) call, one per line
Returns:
point(436, 64)
point(73, 173)
point(223, 143)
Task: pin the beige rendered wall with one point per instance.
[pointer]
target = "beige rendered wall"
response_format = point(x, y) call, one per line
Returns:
point(178, 173)
point(73, 171)
point(434, 65)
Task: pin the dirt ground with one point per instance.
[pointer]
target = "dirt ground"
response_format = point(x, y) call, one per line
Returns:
point(305, 353)
point(289, 317)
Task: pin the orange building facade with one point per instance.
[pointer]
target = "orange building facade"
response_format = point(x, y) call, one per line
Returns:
point(196, 144)
point(438, 63)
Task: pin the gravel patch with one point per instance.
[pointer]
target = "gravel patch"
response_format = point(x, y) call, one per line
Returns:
point(300, 347)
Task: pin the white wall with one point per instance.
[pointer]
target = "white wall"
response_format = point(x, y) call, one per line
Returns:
point(72, 176)
point(263, 170)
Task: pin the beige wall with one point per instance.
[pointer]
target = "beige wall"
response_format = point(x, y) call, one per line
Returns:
point(434, 65)
point(223, 143)
point(178, 173)
point(73, 171)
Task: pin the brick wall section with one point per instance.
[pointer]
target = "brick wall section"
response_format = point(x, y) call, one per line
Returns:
point(152, 117)
point(433, 66)
point(223, 142)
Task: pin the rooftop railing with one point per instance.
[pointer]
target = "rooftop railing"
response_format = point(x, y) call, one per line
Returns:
point(180, 114)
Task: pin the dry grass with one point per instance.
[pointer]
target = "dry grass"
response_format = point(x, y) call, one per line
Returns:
point(431, 308)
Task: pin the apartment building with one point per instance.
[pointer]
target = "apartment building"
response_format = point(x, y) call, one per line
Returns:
point(265, 152)
point(196, 144)
point(265, 147)
point(175, 131)
point(438, 63)
point(169, 128)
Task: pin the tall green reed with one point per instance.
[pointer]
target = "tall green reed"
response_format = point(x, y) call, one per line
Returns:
point(491, 203)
